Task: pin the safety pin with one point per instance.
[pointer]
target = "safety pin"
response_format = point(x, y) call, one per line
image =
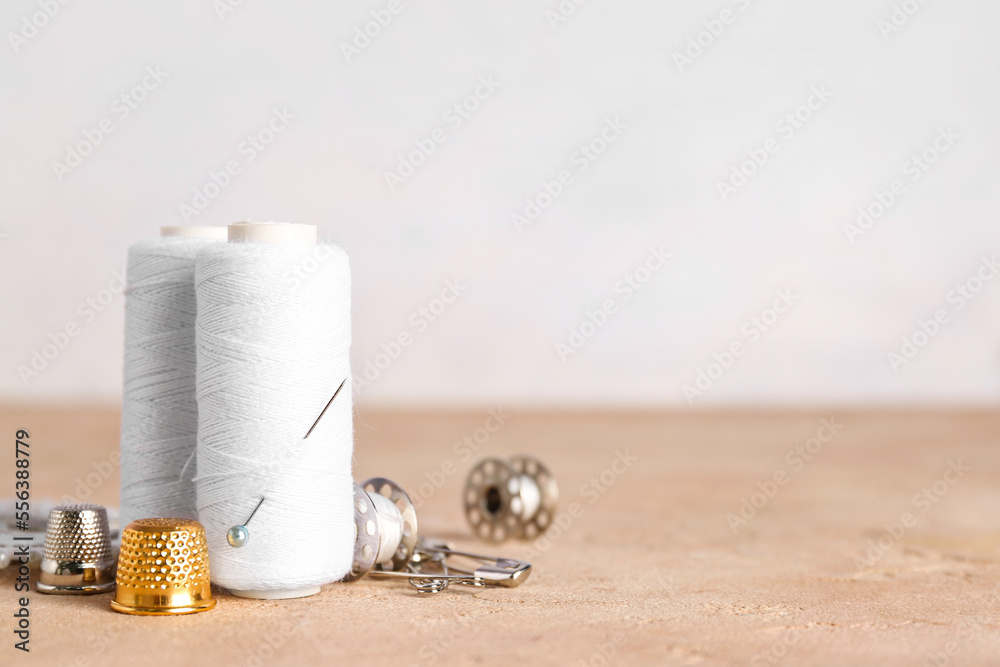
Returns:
point(492, 571)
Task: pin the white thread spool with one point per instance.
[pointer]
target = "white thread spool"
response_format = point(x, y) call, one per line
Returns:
point(159, 411)
point(273, 338)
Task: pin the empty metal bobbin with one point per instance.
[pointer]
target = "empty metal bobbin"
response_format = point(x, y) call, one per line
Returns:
point(510, 498)
point(77, 559)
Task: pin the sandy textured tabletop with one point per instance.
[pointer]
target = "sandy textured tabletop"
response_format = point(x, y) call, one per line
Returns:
point(712, 539)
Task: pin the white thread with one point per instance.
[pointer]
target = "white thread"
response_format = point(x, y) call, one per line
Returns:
point(273, 338)
point(390, 524)
point(159, 411)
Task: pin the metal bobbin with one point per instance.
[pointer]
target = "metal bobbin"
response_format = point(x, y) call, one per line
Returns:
point(382, 510)
point(510, 498)
point(387, 546)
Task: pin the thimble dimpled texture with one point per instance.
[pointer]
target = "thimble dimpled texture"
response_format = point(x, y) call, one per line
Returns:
point(175, 558)
point(78, 533)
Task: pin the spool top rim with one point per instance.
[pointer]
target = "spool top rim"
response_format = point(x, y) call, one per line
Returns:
point(212, 233)
point(269, 231)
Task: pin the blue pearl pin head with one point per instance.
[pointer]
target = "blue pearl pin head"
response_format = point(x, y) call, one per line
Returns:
point(238, 536)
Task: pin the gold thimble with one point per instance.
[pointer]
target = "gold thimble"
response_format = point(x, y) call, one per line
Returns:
point(163, 569)
point(77, 559)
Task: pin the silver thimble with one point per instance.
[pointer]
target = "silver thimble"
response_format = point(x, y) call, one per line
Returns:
point(78, 559)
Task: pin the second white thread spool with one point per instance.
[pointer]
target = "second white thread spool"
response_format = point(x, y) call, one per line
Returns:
point(273, 338)
point(159, 412)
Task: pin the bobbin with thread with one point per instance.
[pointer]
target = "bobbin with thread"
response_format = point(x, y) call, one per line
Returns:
point(510, 498)
point(388, 547)
point(272, 347)
point(159, 409)
point(386, 523)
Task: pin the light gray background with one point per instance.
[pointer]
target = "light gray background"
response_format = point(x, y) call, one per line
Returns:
point(656, 185)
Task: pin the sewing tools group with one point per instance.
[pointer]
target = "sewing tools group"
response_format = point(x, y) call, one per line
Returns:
point(237, 444)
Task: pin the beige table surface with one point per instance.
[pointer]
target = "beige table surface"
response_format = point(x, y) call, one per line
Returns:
point(649, 571)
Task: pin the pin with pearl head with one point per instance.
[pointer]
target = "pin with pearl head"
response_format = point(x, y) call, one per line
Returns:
point(510, 498)
point(238, 536)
